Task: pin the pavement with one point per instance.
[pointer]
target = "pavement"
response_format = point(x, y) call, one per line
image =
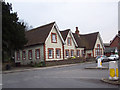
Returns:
point(97, 68)
point(22, 69)
point(114, 82)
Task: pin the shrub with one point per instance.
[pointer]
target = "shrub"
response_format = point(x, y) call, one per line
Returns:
point(73, 57)
point(40, 64)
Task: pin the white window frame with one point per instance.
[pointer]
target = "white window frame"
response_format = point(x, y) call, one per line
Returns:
point(18, 55)
point(54, 38)
point(30, 54)
point(38, 53)
point(69, 41)
point(24, 55)
point(58, 54)
point(72, 53)
point(67, 52)
point(50, 55)
point(78, 53)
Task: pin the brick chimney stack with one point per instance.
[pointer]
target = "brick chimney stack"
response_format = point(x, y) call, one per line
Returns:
point(77, 31)
point(118, 33)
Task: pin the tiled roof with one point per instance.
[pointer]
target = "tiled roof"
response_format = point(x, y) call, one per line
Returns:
point(64, 33)
point(115, 38)
point(38, 35)
point(87, 40)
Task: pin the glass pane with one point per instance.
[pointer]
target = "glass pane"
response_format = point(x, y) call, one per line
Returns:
point(30, 54)
point(18, 55)
point(53, 37)
point(58, 53)
point(71, 53)
point(78, 53)
point(67, 53)
point(69, 41)
point(50, 53)
point(37, 53)
point(23, 54)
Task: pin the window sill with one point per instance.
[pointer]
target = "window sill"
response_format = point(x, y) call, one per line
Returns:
point(54, 42)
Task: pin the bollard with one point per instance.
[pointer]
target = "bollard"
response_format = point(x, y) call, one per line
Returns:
point(113, 70)
point(99, 63)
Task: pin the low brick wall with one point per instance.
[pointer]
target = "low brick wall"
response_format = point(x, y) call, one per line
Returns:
point(67, 61)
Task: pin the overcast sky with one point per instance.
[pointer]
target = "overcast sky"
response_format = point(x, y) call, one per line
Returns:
point(88, 15)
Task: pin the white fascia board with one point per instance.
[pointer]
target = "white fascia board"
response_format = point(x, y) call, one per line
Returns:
point(73, 38)
point(101, 40)
point(57, 31)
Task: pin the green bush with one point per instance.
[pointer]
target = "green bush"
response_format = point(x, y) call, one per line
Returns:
point(40, 64)
point(73, 57)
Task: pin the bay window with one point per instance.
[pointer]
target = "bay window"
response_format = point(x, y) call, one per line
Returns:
point(98, 50)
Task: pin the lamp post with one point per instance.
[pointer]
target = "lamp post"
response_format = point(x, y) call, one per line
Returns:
point(119, 52)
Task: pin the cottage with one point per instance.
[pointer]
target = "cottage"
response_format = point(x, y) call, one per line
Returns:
point(70, 45)
point(45, 43)
point(48, 43)
point(92, 43)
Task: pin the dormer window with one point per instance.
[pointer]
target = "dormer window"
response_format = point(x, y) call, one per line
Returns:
point(54, 37)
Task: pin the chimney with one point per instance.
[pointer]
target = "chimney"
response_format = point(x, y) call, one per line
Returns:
point(119, 33)
point(77, 31)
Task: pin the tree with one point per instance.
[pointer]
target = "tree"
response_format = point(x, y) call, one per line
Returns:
point(13, 32)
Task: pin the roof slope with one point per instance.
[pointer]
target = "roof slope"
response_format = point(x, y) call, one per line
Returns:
point(87, 40)
point(115, 38)
point(38, 35)
point(64, 33)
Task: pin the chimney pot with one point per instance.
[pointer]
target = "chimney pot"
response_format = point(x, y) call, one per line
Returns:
point(119, 32)
point(76, 28)
point(77, 31)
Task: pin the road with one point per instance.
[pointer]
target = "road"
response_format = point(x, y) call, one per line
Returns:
point(73, 76)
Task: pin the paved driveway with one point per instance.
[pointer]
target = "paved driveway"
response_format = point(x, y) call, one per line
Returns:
point(74, 76)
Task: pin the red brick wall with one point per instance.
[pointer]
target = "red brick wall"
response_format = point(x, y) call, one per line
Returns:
point(114, 42)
